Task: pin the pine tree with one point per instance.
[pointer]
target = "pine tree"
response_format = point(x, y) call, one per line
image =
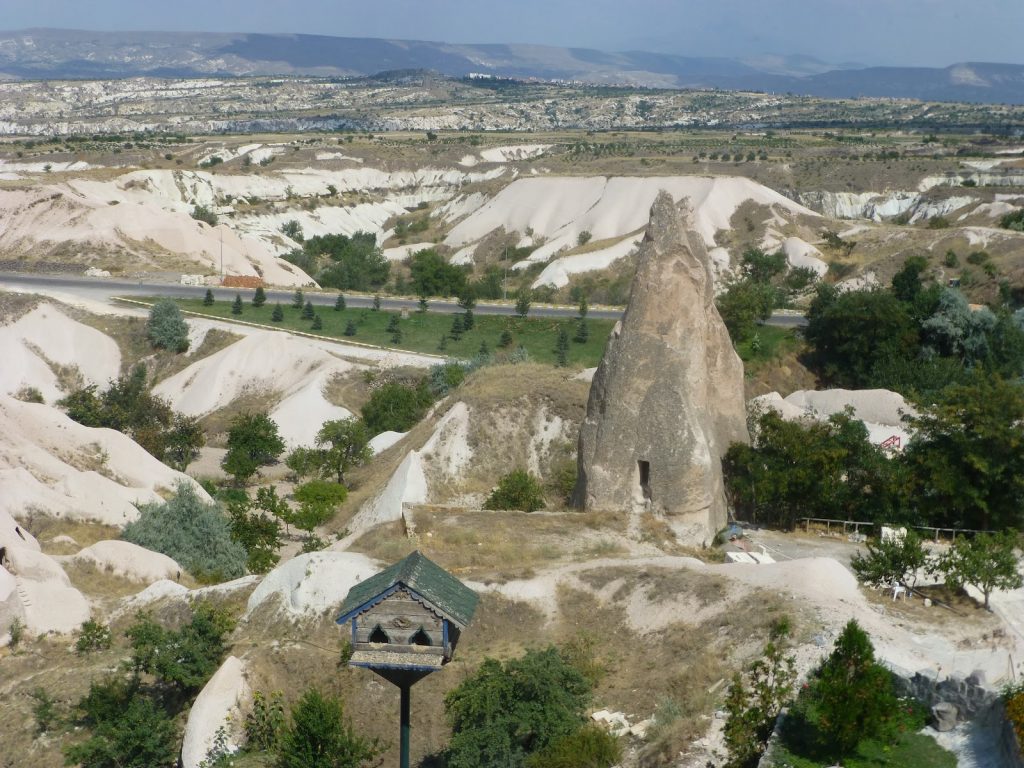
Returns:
point(484, 350)
point(208, 298)
point(582, 332)
point(318, 324)
point(350, 328)
point(339, 303)
point(278, 314)
point(307, 311)
point(376, 302)
point(396, 337)
point(260, 297)
point(506, 338)
point(236, 307)
point(443, 344)
point(392, 324)
point(424, 304)
point(457, 327)
point(298, 300)
point(562, 347)
point(584, 308)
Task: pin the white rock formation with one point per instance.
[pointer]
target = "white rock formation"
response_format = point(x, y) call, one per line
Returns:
point(46, 333)
point(312, 583)
point(51, 464)
point(880, 409)
point(218, 705)
point(122, 558)
point(800, 253)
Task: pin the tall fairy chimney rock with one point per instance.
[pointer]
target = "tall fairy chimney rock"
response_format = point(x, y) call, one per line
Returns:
point(667, 399)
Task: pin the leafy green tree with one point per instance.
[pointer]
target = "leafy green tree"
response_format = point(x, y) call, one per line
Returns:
point(396, 407)
point(293, 229)
point(760, 267)
point(523, 298)
point(236, 305)
point(182, 659)
point(344, 444)
point(896, 559)
point(253, 442)
point(967, 456)
point(506, 712)
point(278, 314)
point(987, 561)
point(191, 532)
point(266, 723)
point(320, 737)
point(257, 531)
point(755, 700)
point(259, 298)
point(743, 306)
point(166, 328)
point(343, 262)
point(517, 490)
point(208, 298)
point(181, 443)
point(852, 333)
point(339, 303)
point(431, 275)
point(273, 505)
point(318, 502)
point(126, 730)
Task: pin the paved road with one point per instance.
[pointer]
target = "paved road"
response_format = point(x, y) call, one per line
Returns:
point(101, 289)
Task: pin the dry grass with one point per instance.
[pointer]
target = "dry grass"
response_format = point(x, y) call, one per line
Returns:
point(15, 305)
point(496, 546)
point(86, 533)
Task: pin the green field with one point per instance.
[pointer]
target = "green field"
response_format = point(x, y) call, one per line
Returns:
point(422, 331)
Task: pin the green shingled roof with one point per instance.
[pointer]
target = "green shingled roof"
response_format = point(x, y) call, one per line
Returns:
point(449, 595)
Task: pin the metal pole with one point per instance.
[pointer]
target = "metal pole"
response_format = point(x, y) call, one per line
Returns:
point(403, 760)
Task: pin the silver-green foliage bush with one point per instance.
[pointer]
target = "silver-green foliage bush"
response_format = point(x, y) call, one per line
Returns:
point(196, 534)
point(166, 328)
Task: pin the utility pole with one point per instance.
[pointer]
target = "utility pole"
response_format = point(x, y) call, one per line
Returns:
point(222, 254)
point(504, 285)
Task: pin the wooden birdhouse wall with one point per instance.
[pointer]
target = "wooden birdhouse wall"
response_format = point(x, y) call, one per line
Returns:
point(401, 618)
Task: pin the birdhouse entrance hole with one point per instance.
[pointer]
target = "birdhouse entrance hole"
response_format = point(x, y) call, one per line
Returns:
point(379, 635)
point(420, 638)
point(644, 468)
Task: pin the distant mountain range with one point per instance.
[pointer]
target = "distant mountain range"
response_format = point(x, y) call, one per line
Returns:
point(52, 53)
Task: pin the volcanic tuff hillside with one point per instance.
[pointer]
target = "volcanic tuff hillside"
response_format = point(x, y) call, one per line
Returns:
point(50, 53)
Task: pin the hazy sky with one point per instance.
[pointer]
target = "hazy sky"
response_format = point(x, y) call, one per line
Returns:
point(907, 32)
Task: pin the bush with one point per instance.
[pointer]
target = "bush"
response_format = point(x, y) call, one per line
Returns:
point(589, 747)
point(44, 710)
point(506, 712)
point(320, 737)
point(202, 213)
point(433, 276)
point(195, 534)
point(319, 500)
point(396, 407)
point(92, 636)
point(128, 730)
point(265, 724)
point(517, 490)
point(166, 328)
point(182, 659)
point(259, 533)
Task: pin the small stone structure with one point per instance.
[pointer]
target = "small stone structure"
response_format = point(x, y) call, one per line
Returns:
point(667, 398)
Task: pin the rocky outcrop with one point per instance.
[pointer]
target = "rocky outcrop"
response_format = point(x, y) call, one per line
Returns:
point(667, 399)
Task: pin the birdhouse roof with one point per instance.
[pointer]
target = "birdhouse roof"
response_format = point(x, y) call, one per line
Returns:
point(427, 579)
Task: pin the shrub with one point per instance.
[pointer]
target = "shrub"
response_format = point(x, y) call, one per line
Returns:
point(202, 213)
point(44, 710)
point(517, 490)
point(319, 500)
point(1013, 220)
point(266, 723)
point(182, 659)
point(29, 395)
point(583, 238)
point(259, 534)
point(320, 737)
point(166, 328)
point(128, 730)
point(589, 747)
point(193, 533)
point(505, 712)
point(396, 407)
point(92, 636)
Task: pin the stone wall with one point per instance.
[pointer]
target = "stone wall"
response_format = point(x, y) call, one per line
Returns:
point(969, 695)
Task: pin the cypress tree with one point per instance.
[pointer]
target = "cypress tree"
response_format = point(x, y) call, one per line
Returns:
point(208, 298)
point(236, 307)
point(260, 297)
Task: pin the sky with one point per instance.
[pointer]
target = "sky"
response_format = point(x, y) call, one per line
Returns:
point(886, 32)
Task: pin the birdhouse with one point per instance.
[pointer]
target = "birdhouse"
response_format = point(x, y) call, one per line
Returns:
point(407, 618)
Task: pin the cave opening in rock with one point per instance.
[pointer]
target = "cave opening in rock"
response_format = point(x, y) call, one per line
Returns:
point(645, 478)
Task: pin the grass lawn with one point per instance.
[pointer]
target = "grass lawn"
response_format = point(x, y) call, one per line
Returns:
point(775, 341)
point(913, 750)
point(422, 331)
